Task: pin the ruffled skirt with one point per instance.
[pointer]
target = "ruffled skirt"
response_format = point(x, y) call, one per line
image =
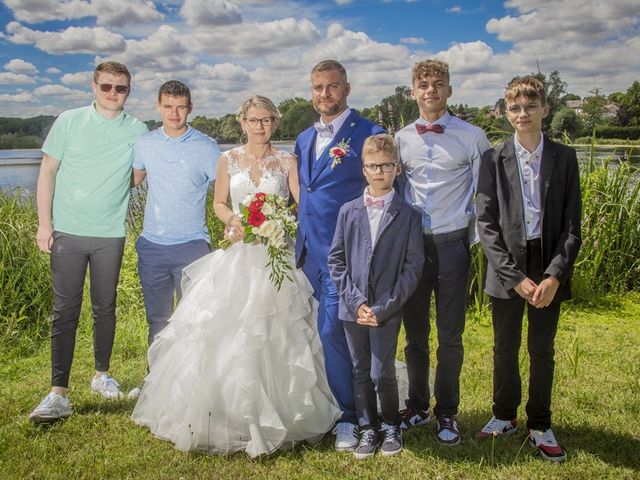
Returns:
point(240, 364)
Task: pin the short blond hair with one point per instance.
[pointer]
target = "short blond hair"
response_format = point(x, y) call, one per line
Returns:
point(381, 143)
point(430, 68)
point(114, 68)
point(258, 101)
point(527, 86)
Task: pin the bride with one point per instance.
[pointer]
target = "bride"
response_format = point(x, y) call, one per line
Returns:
point(240, 366)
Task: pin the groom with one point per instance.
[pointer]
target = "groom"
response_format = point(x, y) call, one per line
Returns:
point(330, 171)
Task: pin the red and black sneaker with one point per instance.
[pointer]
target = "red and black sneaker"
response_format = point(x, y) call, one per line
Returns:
point(547, 445)
point(413, 417)
point(447, 431)
point(496, 427)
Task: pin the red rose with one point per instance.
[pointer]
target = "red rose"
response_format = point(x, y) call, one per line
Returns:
point(256, 218)
point(338, 152)
point(260, 196)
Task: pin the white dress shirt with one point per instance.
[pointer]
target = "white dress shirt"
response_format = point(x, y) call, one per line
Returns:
point(441, 170)
point(529, 164)
point(323, 140)
point(376, 213)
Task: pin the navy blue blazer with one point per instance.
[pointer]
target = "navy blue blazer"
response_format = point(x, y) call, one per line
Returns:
point(384, 277)
point(324, 190)
point(500, 217)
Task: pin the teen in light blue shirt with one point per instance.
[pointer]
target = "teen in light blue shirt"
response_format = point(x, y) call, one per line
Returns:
point(179, 163)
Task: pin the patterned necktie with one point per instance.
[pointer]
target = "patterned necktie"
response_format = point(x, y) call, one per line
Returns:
point(373, 202)
point(324, 130)
point(432, 127)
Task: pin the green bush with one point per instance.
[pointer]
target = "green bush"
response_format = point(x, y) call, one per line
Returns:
point(612, 131)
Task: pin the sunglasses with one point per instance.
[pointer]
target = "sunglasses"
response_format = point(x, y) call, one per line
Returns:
point(107, 87)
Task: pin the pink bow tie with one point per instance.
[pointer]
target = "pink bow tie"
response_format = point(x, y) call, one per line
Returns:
point(432, 127)
point(373, 202)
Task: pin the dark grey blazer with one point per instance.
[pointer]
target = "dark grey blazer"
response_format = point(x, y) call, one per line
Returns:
point(500, 217)
point(383, 277)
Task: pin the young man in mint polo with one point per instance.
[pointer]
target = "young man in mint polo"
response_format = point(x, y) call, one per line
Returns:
point(82, 196)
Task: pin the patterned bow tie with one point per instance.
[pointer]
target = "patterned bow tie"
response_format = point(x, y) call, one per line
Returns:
point(326, 130)
point(373, 202)
point(432, 127)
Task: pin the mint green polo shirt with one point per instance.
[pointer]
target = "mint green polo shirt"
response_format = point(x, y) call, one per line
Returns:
point(92, 184)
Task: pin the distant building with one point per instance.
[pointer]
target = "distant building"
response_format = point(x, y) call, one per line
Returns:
point(576, 105)
point(499, 109)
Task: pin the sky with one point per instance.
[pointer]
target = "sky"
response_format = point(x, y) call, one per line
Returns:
point(226, 50)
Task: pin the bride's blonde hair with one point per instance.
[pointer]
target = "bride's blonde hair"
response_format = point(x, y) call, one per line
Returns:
point(258, 101)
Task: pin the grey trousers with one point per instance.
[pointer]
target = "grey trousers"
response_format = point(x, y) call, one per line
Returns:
point(70, 256)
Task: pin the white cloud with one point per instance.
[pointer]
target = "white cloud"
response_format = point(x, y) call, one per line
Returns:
point(10, 78)
point(164, 50)
point(107, 12)
point(78, 78)
point(454, 9)
point(200, 13)
point(65, 93)
point(54, 70)
point(18, 65)
point(22, 97)
point(343, 2)
point(565, 20)
point(413, 40)
point(254, 39)
point(71, 40)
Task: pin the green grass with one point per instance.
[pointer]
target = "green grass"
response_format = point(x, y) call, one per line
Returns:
point(596, 410)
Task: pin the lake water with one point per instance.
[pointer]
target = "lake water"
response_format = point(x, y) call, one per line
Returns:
point(19, 168)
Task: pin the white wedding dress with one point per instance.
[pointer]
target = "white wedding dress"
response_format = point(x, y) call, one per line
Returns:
point(240, 364)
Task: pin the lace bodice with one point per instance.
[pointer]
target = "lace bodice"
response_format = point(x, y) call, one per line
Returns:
point(248, 177)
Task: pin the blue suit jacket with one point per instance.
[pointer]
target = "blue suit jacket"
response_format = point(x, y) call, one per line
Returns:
point(383, 277)
point(324, 190)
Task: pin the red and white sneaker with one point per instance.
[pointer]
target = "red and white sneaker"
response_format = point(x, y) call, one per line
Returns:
point(496, 427)
point(547, 445)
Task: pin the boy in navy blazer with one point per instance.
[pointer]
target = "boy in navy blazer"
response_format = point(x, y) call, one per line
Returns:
point(376, 260)
point(528, 207)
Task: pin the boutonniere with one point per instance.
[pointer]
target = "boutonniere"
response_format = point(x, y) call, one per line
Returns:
point(337, 153)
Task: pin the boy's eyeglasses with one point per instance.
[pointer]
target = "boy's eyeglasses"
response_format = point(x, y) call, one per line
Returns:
point(529, 109)
point(383, 167)
point(107, 87)
point(266, 121)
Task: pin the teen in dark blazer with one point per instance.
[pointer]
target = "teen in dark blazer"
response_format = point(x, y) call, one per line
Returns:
point(376, 260)
point(528, 209)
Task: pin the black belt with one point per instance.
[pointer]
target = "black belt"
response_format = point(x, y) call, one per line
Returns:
point(449, 237)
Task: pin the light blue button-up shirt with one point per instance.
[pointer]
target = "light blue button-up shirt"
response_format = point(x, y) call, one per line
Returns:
point(529, 164)
point(441, 172)
point(179, 171)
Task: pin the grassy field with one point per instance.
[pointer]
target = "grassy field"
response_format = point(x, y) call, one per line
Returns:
point(596, 413)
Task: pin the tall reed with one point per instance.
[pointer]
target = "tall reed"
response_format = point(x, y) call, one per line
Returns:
point(25, 285)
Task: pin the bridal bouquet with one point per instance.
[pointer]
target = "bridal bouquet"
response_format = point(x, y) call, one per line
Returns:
point(268, 220)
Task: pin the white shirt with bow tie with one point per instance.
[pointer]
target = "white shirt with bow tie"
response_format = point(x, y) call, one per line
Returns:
point(324, 139)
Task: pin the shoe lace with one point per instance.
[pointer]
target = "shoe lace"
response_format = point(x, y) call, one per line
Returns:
point(367, 437)
point(390, 433)
point(493, 425)
point(547, 437)
point(110, 385)
point(446, 423)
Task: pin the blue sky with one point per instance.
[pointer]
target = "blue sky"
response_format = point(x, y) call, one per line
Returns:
point(228, 49)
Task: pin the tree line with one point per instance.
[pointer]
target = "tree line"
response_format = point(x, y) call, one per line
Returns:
point(616, 115)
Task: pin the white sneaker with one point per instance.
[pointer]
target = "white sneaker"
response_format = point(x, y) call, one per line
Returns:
point(346, 437)
point(134, 393)
point(498, 428)
point(53, 407)
point(106, 386)
point(547, 445)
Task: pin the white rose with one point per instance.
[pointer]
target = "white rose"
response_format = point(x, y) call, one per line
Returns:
point(267, 228)
point(267, 209)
